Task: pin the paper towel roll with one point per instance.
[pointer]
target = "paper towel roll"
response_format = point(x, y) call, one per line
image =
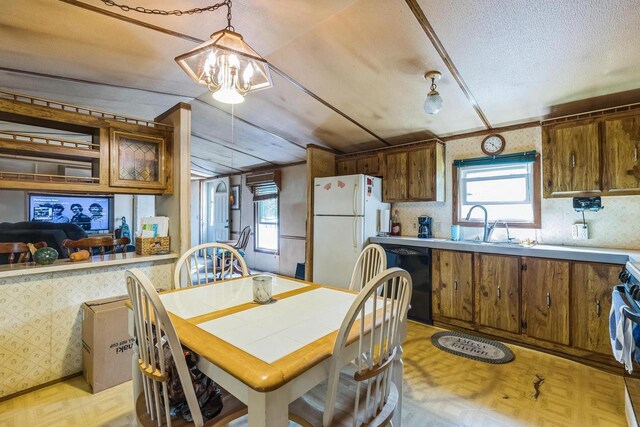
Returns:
point(384, 225)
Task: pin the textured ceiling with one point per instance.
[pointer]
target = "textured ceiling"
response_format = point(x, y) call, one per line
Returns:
point(363, 60)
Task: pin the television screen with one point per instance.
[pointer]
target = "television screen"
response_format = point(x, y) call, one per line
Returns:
point(94, 214)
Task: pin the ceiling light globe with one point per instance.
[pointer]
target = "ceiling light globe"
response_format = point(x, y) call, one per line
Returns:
point(228, 96)
point(433, 103)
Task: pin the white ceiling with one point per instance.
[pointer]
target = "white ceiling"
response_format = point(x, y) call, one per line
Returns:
point(364, 58)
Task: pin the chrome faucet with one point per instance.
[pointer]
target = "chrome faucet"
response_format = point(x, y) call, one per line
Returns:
point(506, 226)
point(485, 237)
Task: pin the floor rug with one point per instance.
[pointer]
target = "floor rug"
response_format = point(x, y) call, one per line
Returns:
point(471, 347)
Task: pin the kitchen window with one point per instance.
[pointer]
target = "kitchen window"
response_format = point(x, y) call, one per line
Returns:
point(267, 218)
point(507, 186)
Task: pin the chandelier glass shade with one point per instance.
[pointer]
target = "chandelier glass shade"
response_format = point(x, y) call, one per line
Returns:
point(227, 66)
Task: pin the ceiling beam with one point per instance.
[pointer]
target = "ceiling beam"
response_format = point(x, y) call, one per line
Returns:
point(253, 125)
point(216, 163)
point(437, 44)
point(204, 138)
point(281, 73)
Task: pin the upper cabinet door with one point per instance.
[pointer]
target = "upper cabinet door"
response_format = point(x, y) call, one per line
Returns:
point(137, 160)
point(369, 165)
point(346, 167)
point(621, 170)
point(395, 177)
point(572, 160)
point(422, 175)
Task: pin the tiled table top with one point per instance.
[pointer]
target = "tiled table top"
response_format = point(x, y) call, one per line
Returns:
point(272, 331)
point(200, 300)
point(263, 346)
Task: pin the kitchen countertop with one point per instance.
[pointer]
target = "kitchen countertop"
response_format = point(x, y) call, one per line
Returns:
point(573, 253)
point(21, 269)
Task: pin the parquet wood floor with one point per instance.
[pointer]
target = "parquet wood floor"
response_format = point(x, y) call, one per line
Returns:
point(441, 390)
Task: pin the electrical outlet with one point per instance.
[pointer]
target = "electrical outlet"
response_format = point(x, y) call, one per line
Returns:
point(438, 227)
point(415, 226)
point(580, 232)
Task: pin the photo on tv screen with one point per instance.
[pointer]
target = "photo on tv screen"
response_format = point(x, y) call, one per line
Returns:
point(94, 214)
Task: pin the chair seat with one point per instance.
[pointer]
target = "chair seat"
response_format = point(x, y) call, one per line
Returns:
point(232, 409)
point(309, 409)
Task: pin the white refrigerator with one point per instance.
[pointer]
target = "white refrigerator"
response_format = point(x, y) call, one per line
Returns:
point(345, 216)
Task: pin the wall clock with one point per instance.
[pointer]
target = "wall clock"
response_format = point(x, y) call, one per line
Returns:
point(493, 145)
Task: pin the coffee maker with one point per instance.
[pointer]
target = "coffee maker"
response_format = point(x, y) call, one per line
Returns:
point(424, 227)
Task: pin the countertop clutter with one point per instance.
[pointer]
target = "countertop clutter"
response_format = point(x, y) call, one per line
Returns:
point(572, 253)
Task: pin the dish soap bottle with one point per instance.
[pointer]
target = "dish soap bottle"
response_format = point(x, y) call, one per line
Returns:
point(395, 224)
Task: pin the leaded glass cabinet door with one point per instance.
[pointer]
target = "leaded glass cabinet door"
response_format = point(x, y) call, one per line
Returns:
point(137, 160)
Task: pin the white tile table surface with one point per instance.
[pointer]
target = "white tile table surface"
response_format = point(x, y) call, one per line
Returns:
point(200, 300)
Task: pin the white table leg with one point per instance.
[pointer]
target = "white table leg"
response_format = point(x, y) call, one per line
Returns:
point(398, 371)
point(269, 409)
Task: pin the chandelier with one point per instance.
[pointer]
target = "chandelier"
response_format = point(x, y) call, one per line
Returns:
point(226, 65)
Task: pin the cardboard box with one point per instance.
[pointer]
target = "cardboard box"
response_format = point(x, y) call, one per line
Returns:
point(107, 347)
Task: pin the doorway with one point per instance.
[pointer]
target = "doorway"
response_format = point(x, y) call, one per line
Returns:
point(216, 210)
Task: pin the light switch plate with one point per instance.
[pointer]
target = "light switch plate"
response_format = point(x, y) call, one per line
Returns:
point(580, 231)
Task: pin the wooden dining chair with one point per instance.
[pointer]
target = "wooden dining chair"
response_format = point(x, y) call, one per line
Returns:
point(206, 263)
point(18, 248)
point(371, 262)
point(90, 243)
point(153, 326)
point(368, 396)
point(243, 239)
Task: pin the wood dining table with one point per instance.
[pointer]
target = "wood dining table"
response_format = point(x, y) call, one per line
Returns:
point(266, 355)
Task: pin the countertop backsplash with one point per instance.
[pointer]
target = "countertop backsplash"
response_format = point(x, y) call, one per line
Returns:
point(616, 226)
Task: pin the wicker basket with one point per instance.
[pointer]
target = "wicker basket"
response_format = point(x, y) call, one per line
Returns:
point(152, 245)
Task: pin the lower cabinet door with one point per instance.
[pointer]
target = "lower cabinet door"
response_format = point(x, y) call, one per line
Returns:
point(591, 285)
point(545, 299)
point(452, 290)
point(498, 291)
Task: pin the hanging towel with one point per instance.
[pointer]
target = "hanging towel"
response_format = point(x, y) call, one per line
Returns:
point(621, 332)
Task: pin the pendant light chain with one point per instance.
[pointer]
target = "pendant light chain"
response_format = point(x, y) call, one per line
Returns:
point(176, 12)
point(229, 26)
point(232, 131)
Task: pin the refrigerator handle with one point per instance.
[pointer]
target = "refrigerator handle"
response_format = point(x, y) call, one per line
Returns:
point(355, 227)
point(355, 199)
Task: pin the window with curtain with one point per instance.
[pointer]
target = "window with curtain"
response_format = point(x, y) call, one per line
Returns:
point(267, 218)
point(507, 186)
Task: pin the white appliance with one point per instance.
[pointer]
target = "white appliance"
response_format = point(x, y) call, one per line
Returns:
point(346, 211)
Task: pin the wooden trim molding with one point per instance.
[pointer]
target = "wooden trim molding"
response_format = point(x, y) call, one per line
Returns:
point(537, 202)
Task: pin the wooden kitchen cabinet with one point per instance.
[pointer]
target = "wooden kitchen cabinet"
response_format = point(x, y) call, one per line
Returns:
point(369, 165)
point(138, 160)
point(591, 285)
point(422, 177)
point(346, 166)
point(395, 177)
point(620, 166)
point(497, 290)
point(572, 160)
point(452, 284)
point(545, 299)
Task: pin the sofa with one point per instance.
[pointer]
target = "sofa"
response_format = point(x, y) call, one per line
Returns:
point(32, 232)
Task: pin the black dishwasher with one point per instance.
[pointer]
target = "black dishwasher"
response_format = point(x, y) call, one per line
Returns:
point(417, 261)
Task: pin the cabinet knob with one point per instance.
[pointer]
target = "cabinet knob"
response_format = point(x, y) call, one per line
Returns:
point(573, 160)
point(548, 300)
point(455, 285)
point(598, 308)
point(635, 153)
point(499, 292)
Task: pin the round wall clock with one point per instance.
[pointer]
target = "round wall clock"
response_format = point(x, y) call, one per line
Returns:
point(493, 145)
